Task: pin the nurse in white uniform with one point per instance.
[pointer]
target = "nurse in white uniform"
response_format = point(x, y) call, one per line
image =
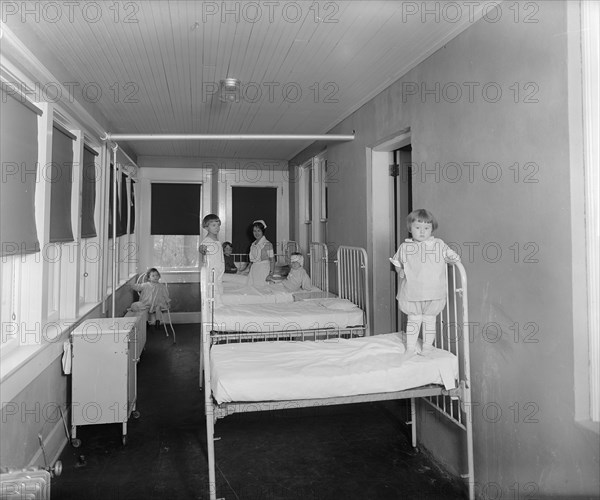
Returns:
point(262, 257)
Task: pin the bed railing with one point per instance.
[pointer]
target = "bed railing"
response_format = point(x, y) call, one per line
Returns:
point(283, 250)
point(352, 278)
point(319, 266)
point(286, 249)
point(452, 334)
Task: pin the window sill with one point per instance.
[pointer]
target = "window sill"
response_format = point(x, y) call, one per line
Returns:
point(181, 276)
point(21, 365)
point(24, 364)
point(589, 425)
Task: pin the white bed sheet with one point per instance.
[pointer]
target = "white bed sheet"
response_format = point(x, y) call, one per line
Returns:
point(280, 371)
point(303, 315)
point(236, 291)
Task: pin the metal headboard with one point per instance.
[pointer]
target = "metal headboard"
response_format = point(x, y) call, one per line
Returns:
point(319, 266)
point(353, 279)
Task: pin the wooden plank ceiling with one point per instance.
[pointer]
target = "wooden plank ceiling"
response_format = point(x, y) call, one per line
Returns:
point(156, 66)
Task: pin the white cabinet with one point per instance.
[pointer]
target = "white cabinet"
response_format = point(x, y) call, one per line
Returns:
point(104, 373)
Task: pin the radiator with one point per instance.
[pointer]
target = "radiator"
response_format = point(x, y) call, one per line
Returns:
point(28, 484)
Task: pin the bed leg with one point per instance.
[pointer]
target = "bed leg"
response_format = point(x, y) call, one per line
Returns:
point(470, 451)
point(201, 381)
point(413, 422)
point(210, 448)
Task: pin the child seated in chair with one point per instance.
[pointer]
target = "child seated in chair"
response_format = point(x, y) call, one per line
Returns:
point(298, 278)
point(154, 297)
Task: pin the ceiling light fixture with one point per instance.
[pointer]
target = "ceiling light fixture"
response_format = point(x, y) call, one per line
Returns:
point(230, 90)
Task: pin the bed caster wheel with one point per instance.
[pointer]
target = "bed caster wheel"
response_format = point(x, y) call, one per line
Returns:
point(57, 469)
point(135, 414)
point(124, 440)
point(75, 442)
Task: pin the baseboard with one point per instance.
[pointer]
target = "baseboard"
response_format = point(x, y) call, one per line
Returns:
point(54, 443)
point(186, 317)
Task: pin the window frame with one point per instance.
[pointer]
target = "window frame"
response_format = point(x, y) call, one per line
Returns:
point(584, 132)
point(150, 174)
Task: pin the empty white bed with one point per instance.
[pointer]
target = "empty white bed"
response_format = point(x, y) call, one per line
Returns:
point(279, 371)
point(291, 316)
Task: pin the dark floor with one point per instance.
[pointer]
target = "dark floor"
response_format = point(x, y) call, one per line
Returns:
point(359, 451)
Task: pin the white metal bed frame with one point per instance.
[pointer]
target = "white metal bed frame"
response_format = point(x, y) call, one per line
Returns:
point(454, 404)
point(353, 284)
point(319, 266)
point(283, 250)
point(352, 272)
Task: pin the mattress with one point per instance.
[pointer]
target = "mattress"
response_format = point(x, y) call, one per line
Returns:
point(303, 315)
point(236, 291)
point(280, 371)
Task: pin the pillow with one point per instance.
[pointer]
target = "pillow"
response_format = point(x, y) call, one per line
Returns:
point(339, 304)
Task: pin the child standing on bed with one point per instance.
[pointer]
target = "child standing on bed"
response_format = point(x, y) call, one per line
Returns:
point(421, 263)
point(212, 252)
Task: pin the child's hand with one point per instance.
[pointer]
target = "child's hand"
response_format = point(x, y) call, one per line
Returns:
point(401, 272)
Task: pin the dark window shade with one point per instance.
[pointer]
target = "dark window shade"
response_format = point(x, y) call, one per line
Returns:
point(122, 216)
point(88, 195)
point(175, 209)
point(18, 158)
point(132, 214)
point(110, 203)
point(61, 187)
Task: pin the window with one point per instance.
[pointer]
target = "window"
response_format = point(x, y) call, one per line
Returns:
point(88, 193)
point(61, 188)
point(9, 298)
point(126, 248)
point(90, 251)
point(61, 180)
point(18, 155)
point(175, 222)
point(18, 230)
point(313, 198)
point(591, 105)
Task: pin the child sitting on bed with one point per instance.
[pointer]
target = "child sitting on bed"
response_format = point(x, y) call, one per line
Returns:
point(421, 263)
point(230, 266)
point(297, 279)
point(212, 253)
point(154, 297)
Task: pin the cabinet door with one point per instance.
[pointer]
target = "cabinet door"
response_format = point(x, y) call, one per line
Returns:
point(99, 378)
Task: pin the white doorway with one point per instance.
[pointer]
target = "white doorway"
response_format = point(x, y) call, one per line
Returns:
point(391, 199)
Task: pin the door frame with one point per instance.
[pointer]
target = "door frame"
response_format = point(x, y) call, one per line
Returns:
point(266, 179)
point(379, 239)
